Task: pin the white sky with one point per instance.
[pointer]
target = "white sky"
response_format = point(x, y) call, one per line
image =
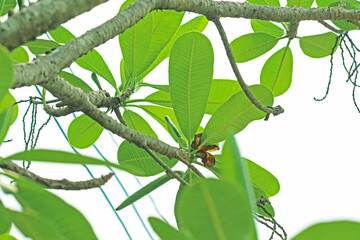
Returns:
point(312, 148)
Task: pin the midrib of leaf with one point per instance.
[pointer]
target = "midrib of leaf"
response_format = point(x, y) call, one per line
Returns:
point(213, 214)
point(260, 46)
point(133, 51)
point(281, 63)
point(161, 19)
point(313, 44)
point(228, 123)
point(90, 126)
point(2, 2)
point(188, 89)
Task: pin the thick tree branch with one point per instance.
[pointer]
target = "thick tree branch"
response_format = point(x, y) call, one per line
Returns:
point(39, 18)
point(57, 184)
point(76, 98)
point(47, 67)
point(276, 110)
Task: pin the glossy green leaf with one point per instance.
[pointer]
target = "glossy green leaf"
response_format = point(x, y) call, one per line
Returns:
point(41, 46)
point(44, 155)
point(235, 170)
point(252, 45)
point(4, 220)
point(144, 191)
point(318, 46)
point(165, 231)
point(75, 81)
point(259, 177)
point(300, 3)
point(5, 122)
point(235, 114)
point(326, 3)
point(135, 43)
point(160, 98)
point(20, 3)
point(175, 133)
point(164, 88)
point(6, 71)
point(6, 5)
point(92, 61)
point(277, 71)
point(61, 35)
point(275, 3)
point(344, 230)
point(8, 101)
point(138, 162)
point(219, 208)
point(196, 24)
point(343, 24)
point(96, 80)
point(136, 122)
point(221, 90)
point(19, 55)
point(266, 27)
point(83, 132)
point(53, 210)
point(190, 77)
point(7, 237)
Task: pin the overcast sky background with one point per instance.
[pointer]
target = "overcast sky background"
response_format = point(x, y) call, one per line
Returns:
point(312, 149)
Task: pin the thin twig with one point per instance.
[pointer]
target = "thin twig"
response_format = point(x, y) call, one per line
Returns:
point(325, 24)
point(63, 184)
point(119, 116)
point(192, 167)
point(166, 167)
point(276, 110)
point(273, 220)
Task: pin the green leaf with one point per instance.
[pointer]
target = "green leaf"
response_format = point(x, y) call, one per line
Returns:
point(8, 102)
point(75, 81)
point(41, 46)
point(343, 24)
point(53, 210)
point(61, 35)
point(20, 3)
point(83, 132)
point(277, 71)
point(19, 55)
point(6, 5)
point(165, 231)
point(235, 114)
point(269, 209)
point(259, 177)
point(266, 27)
point(275, 3)
point(252, 45)
point(221, 90)
point(196, 24)
point(318, 46)
point(175, 133)
point(92, 61)
point(4, 220)
point(6, 71)
point(135, 43)
point(144, 191)
point(164, 88)
point(235, 170)
point(96, 80)
point(218, 208)
point(44, 155)
point(344, 230)
point(138, 162)
point(5, 122)
point(7, 237)
point(301, 3)
point(190, 77)
point(326, 3)
point(160, 98)
point(136, 122)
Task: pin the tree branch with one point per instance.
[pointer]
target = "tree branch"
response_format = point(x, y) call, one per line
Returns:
point(276, 110)
point(63, 184)
point(39, 18)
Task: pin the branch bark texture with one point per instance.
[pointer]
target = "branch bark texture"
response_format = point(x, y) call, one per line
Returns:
point(39, 18)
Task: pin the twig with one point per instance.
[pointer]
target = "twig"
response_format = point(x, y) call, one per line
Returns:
point(273, 220)
point(292, 29)
point(166, 167)
point(192, 167)
point(325, 24)
point(119, 116)
point(269, 110)
point(63, 184)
